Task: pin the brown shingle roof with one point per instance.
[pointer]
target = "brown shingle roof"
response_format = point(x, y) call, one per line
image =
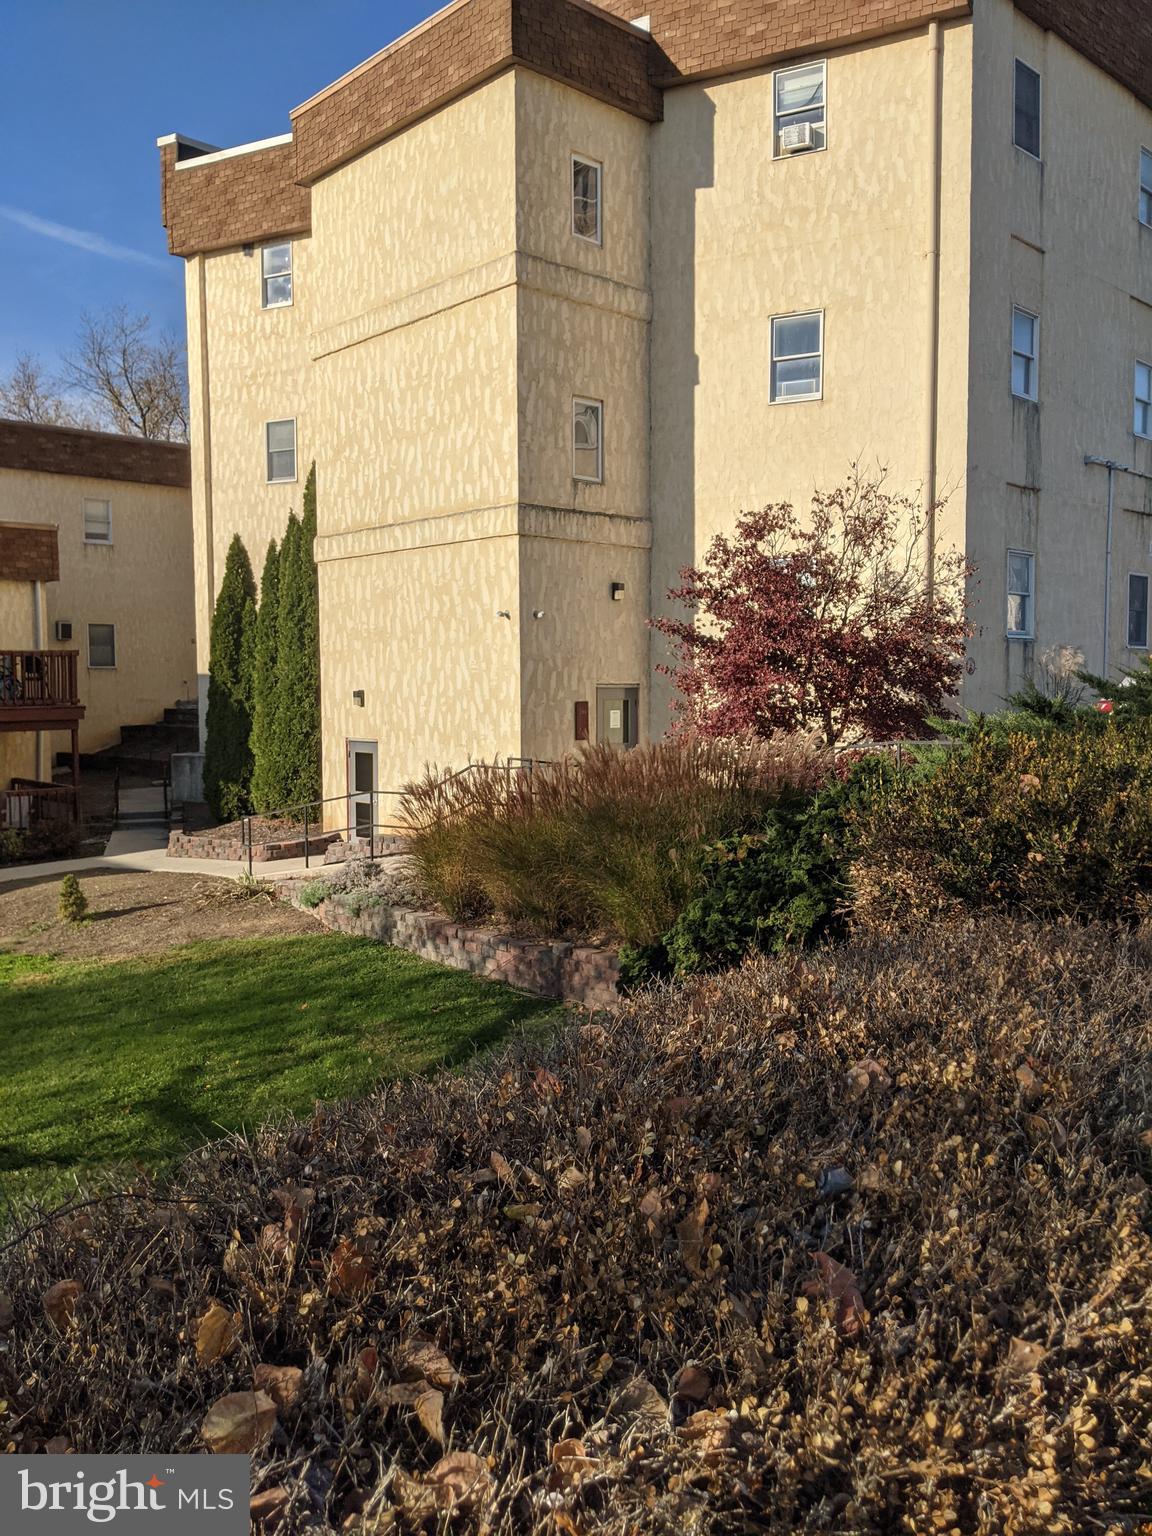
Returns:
point(29, 445)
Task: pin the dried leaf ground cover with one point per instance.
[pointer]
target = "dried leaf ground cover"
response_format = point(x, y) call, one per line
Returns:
point(133, 1061)
point(854, 1243)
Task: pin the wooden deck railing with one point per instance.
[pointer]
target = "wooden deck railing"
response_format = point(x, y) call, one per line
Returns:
point(30, 803)
point(38, 680)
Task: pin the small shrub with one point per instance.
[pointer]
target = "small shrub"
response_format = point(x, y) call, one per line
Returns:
point(313, 893)
point(73, 904)
point(11, 846)
point(1056, 824)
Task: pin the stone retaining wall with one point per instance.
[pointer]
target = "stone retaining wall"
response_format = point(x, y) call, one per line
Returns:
point(582, 974)
point(195, 845)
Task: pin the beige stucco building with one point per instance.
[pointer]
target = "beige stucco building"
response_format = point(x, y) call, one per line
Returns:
point(550, 292)
point(117, 596)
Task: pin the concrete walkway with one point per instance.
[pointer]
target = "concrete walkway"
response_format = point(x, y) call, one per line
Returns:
point(140, 842)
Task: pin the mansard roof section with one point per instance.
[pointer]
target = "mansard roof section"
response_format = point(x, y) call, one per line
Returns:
point(212, 198)
point(52, 450)
point(700, 38)
point(1115, 35)
point(459, 48)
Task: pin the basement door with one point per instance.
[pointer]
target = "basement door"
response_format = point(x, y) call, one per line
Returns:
point(363, 757)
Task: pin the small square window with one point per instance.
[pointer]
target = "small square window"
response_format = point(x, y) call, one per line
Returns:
point(101, 645)
point(1025, 354)
point(797, 357)
point(1143, 422)
point(97, 522)
point(1027, 103)
point(280, 442)
point(588, 440)
point(276, 275)
point(1021, 593)
point(799, 123)
point(586, 179)
point(1146, 187)
point(1138, 612)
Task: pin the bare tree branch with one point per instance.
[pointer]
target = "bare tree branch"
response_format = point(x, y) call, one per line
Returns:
point(28, 393)
point(136, 385)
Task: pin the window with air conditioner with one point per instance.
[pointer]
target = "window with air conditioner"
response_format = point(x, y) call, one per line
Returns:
point(798, 109)
point(280, 449)
point(1146, 187)
point(276, 275)
point(1025, 355)
point(97, 522)
point(1138, 612)
point(1142, 424)
point(588, 440)
point(1027, 129)
point(797, 357)
point(101, 645)
point(1021, 594)
point(587, 176)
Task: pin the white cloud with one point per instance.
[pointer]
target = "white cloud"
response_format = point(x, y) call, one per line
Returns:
point(83, 239)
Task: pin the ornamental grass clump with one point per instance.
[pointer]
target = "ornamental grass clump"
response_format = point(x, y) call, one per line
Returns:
point(601, 843)
point(851, 1243)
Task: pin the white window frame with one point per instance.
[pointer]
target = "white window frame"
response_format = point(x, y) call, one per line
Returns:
point(1019, 63)
point(598, 167)
point(780, 118)
point(579, 402)
point(1030, 632)
point(1142, 400)
point(1138, 576)
point(101, 666)
point(271, 479)
point(1145, 206)
point(275, 245)
point(1033, 357)
point(773, 397)
point(96, 501)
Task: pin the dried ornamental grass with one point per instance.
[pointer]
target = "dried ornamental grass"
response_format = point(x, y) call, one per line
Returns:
point(854, 1243)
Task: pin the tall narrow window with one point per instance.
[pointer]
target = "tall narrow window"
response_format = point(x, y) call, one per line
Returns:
point(588, 439)
point(586, 177)
point(1025, 354)
point(280, 444)
point(800, 122)
point(1143, 422)
point(1027, 129)
point(276, 275)
point(101, 645)
point(797, 357)
point(97, 522)
point(1146, 187)
point(1021, 594)
point(1138, 612)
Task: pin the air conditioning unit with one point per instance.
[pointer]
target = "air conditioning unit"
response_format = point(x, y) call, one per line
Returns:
point(63, 629)
point(797, 136)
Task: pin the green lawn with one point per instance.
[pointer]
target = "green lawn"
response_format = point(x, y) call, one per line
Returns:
point(130, 1062)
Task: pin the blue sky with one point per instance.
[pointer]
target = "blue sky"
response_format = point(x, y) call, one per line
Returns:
point(86, 88)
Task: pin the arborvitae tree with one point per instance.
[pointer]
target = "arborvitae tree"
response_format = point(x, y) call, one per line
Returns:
point(72, 906)
point(297, 733)
point(227, 751)
point(267, 781)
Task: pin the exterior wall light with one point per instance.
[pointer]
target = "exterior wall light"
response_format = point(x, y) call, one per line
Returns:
point(537, 613)
point(617, 590)
point(358, 697)
point(502, 613)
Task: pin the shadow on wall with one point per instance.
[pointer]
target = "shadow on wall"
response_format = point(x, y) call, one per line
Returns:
point(683, 165)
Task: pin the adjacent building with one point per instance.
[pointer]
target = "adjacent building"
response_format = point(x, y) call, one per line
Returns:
point(97, 612)
point(550, 291)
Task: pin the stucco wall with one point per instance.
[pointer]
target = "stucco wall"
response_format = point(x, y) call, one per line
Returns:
point(1062, 239)
point(142, 583)
point(738, 237)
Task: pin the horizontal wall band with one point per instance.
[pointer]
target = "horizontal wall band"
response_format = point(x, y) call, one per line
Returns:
point(518, 268)
point(511, 520)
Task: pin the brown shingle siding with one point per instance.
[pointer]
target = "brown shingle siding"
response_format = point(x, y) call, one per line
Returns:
point(96, 455)
point(238, 201)
point(29, 552)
